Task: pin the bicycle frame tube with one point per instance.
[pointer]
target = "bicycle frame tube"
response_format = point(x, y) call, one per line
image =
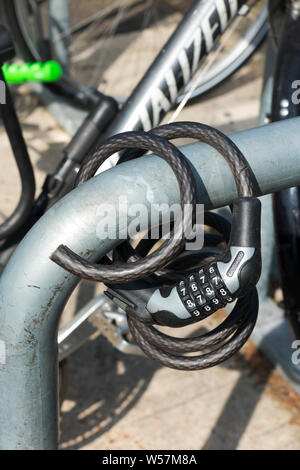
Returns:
point(180, 57)
point(34, 290)
point(193, 39)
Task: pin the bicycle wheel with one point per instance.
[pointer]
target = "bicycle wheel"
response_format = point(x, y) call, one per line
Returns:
point(106, 36)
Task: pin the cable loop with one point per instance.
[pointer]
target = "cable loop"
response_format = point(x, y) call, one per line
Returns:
point(222, 342)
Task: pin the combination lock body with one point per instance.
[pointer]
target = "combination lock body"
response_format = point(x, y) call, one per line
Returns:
point(207, 290)
point(199, 295)
point(196, 297)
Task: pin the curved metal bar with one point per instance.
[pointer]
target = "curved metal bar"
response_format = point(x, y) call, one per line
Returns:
point(34, 290)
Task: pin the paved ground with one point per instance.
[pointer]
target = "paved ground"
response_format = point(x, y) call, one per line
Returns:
point(122, 402)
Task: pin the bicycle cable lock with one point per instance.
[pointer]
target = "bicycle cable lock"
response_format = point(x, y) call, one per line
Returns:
point(172, 288)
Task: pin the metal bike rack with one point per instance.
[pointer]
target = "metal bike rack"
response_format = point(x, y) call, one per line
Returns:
point(34, 290)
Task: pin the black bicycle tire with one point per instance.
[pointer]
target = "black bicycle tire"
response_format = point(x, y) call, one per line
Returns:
point(9, 17)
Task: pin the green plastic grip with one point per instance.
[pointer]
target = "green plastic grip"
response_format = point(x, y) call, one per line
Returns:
point(49, 71)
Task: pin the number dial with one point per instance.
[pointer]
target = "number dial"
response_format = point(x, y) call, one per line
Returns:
point(204, 292)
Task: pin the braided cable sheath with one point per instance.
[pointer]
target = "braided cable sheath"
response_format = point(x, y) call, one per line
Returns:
point(156, 141)
point(211, 219)
point(144, 337)
point(197, 343)
point(223, 341)
point(172, 247)
point(129, 254)
point(222, 143)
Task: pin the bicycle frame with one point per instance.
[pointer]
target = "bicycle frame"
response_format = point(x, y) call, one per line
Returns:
point(175, 65)
point(193, 39)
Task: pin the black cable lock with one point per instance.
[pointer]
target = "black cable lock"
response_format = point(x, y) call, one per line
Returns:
point(218, 280)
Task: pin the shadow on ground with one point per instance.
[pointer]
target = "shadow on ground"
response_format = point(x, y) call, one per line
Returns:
point(104, 385)
point(240, 405)
point(100, 403)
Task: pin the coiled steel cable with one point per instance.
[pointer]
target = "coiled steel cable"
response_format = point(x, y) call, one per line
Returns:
point(160, 347)
point(156, 141)
point(172, 247)
point(227, 338)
